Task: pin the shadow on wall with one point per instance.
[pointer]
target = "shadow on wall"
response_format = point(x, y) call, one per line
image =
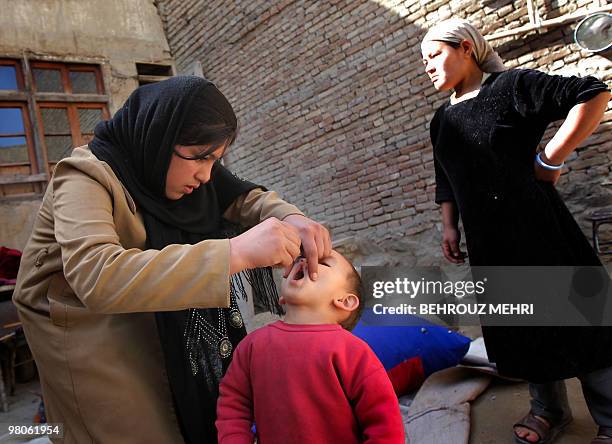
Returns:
point(333, 103)
point(334, 108)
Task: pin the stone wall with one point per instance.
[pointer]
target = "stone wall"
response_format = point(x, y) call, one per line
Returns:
point(334, 106)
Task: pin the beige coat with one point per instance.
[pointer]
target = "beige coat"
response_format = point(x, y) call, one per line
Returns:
point(86, 293)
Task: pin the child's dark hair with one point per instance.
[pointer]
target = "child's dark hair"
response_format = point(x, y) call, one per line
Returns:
point(354, 286)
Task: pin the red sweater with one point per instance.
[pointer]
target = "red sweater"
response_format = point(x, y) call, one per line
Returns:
point(307, 384)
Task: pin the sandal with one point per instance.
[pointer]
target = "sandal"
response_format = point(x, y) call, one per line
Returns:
point(604, 436)
point(547, 433)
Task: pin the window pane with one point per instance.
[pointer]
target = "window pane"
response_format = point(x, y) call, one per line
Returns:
point(11, 121)
point(48, 80)
point(13, 150)
point(83, 82)
point(58, 147)
point(55, 120)
point(8, 77)
point(88, 118)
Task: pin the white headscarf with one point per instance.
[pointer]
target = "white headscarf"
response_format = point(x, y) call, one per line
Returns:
point(456, 30)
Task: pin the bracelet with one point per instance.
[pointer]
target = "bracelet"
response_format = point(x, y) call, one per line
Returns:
point(547, 166)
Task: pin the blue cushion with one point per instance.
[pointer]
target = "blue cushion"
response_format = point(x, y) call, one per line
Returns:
point(438, 347)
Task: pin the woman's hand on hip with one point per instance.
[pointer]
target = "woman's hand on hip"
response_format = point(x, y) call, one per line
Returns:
point(269, 243)
point(546, 175)
point(451, 238)
point(316, 241)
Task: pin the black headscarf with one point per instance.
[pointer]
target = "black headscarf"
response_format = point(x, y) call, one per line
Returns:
point(138, 144)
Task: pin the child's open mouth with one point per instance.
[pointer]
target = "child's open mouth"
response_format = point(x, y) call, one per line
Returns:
point(299, 270)
point(299, 275)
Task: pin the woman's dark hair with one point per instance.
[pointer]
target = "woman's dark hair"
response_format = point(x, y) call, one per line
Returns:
point(209, 121)
point(453, 44)
point(456, 45)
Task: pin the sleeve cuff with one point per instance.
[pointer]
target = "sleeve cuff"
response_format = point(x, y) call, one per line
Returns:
point(216, 254)
point(444, 197)
point(588, 94)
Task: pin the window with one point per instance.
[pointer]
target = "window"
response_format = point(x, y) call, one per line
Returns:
point(151, 73)
point(46, 109)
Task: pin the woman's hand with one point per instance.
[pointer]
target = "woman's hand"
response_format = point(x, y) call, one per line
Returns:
point(269, 243)
point(579, 124)
point(316, 242)
point(451, 238)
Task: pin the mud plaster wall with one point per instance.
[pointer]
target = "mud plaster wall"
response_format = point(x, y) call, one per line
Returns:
point(113, 33)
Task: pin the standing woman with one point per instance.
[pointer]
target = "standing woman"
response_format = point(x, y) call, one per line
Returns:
point(124, 287)
point(484, 140)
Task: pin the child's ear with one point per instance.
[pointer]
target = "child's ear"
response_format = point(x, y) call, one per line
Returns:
point(348, 302)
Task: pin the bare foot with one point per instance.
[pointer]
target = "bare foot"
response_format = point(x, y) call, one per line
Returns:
point(528, 434)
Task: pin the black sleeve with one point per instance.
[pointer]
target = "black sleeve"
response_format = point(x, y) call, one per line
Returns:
point(550, 97)
point(444, 192)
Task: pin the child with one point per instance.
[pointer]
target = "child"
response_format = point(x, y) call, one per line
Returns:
point(306, 379)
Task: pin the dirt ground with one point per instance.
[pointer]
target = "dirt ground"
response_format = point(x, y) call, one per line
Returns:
point(503, 403)
point(22, 409)
point(492, 414)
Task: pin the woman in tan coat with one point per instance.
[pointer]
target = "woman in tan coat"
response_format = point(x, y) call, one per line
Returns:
point(125, 285)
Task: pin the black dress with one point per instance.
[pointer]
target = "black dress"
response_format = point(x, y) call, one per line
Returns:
point(484, 151)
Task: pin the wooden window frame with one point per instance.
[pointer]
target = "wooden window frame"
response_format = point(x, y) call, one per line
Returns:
point(65, 69)
point(31, 101)
point(27, 127)
point(19, 73)
point(72, 114)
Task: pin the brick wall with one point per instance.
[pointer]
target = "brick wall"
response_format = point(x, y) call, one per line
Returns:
point(334, 106)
